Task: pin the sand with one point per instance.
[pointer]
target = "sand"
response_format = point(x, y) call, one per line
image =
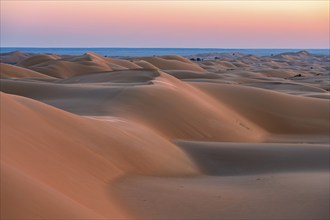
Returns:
point(164, 137)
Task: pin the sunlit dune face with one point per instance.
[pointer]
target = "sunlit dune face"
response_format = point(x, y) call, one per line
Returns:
point(229, 24)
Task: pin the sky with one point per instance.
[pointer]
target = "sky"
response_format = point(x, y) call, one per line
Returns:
point(174, 24)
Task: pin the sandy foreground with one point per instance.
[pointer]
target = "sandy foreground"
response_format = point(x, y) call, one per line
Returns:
point(164, 137)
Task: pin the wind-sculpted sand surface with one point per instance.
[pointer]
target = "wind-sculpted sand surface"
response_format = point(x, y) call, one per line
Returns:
point(231, 136)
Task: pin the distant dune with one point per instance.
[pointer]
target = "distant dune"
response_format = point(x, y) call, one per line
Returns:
point(12, 71)
point(165, 137)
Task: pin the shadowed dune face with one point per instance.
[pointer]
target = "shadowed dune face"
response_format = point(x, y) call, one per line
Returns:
point(14, 57)
point(92, 137)
point(232, 159)
point(139, 77)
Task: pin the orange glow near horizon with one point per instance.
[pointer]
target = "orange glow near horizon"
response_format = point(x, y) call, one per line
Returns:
point(225, 24)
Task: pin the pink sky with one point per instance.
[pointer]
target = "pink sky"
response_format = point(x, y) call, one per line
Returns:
point(220, 24)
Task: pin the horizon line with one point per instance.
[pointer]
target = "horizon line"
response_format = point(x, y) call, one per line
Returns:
point(225, 48)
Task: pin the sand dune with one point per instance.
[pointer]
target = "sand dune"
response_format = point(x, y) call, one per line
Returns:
point(171, 63)
point(113, 129)
point(70, 146)
point(145, 65)
point(124, 63)
point(208, 118)
point(13, 57)
point(163, 137)
point(38, 59)
point(276, 112)
point(70, 66)
point(63, 68)
point(11, 71)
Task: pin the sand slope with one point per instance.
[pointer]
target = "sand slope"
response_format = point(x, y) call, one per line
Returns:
point(11, 71)
point(208, 118)
point(14, 57)
point(92, 151)
point(240, 181)
point(276, 112)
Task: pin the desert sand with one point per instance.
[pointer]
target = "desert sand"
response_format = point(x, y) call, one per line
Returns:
point(232, 136)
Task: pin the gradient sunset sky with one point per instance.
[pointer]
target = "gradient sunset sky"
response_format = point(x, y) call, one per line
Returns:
point(203, 24)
